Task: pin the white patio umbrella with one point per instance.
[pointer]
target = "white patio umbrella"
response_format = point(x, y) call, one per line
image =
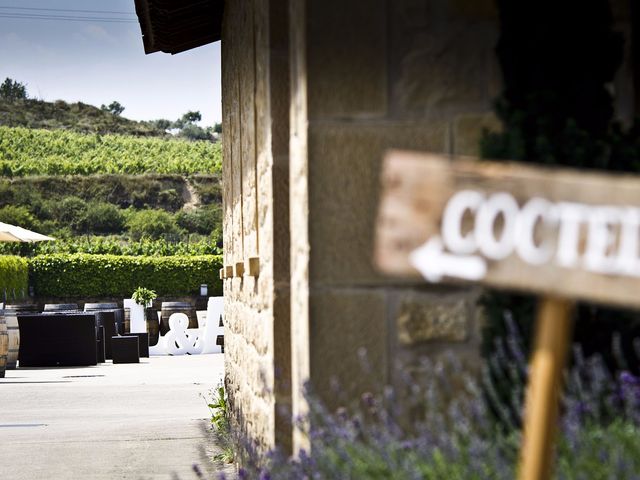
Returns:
point(11, 233)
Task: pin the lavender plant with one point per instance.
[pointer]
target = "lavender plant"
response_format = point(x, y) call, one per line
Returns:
point(457, 426)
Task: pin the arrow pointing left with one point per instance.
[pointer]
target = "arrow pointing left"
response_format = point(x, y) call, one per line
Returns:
point(434, 263)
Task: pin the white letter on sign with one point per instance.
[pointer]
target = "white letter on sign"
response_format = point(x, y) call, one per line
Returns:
point(570, 215)
point(628, 262)
point(465, 200)
point(534, 210)
point(490, 245)
point(601, 240)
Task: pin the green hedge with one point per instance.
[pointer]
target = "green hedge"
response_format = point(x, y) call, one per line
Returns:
point(83, 275)
point(13, 276)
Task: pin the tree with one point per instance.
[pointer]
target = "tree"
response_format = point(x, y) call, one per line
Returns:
point(13, 90)
point(191, 117)
point(217, 127)
point(194, 132)
point(188, 118)
point(114, 107)
point(162, 123)
point(188, 128)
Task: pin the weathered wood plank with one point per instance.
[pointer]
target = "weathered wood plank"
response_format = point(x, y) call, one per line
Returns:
point(418, 187)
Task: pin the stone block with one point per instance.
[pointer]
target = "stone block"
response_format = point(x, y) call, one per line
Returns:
point(468, 131)
point(346, 58)
point(344, 323)
point(344, 166)
point(424, 317)
point(441, 56)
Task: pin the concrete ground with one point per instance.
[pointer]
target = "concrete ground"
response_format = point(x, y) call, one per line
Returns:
point(125, 421)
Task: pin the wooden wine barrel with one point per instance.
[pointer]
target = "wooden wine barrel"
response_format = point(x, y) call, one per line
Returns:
point(127, 320)
point(12, 311)
point(153, 325)
point(13, 337)
point(61, 307)
point(169, 308)
point(22, 308)
point(4, 345)
point(92, 307)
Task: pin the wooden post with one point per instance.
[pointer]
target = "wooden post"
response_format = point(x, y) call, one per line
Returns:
point(543, 393)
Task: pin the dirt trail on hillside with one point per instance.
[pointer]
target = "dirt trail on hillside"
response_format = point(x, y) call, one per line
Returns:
point(190, 197)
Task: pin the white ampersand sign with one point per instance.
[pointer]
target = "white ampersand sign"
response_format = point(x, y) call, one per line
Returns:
point(177, 340)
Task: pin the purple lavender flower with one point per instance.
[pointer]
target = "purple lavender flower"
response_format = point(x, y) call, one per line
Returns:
point(628, 378)
point(264, 475)
point(196, 469)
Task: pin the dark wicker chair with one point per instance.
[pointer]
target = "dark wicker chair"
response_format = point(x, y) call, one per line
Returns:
point(106, 319)
point(57, 339)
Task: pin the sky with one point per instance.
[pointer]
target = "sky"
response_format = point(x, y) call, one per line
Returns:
point(97, 62)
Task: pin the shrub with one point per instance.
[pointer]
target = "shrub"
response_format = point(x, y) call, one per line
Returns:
point(169, 199)
point(71, 211)
point(149, 190)
point(6, 193)
point(13, 276)
point(151, 223)
point(103, 218)
point(83, 275)
point(18, 215)
point(203, 221)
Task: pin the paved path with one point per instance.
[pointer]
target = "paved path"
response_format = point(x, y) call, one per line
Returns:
point(126, 421)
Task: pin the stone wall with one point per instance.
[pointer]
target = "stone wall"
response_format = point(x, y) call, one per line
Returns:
point(374, 75)
point(314, 93)
point(255, 177)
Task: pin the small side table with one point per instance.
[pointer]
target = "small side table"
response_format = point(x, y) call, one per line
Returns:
point(143, 343)
point(124, 349)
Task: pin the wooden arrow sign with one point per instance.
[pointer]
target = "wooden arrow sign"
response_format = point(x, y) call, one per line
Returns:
point(549, 231)
point(560, 233)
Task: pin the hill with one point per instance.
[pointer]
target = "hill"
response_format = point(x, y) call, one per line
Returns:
point(103, 184)
point(79, 117)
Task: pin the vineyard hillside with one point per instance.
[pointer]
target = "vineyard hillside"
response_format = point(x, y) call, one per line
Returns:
point(111, 194)
point(106, 187)
point(25, 151)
